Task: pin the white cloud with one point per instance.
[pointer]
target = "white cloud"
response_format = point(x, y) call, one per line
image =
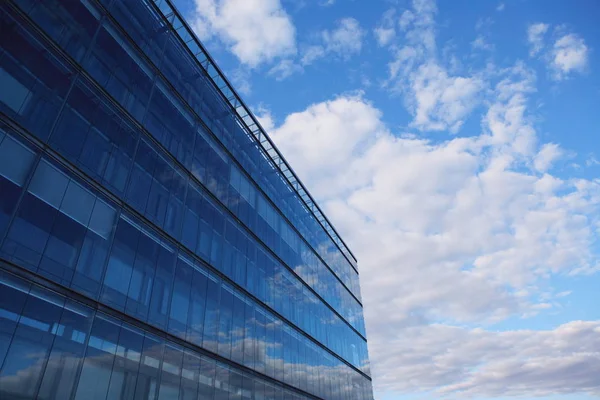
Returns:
point(384, 35)
point(480, 43)
point(437, 99)
point(284, 69)
point(462, 231)
point(265, 118)
point(549, 153)
point(385, 32)
point(474, 363)
point(535, 37)
point(255, 31)
point(501, 7)
point(327, 3)
point(340, 124)
point(343, 41)
point(569, 54)
point(241, 80)
point(312, 53)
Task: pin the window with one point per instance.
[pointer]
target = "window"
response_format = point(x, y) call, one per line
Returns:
point(15, 163)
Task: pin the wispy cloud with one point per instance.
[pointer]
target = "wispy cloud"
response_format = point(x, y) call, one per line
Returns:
point(385, 31)
point(535, 37)
point(438, 100)
point(345, 40)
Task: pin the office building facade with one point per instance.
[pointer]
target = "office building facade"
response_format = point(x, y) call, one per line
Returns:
point(153, 241)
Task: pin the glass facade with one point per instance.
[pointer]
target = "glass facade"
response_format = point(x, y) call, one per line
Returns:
point(153, 242)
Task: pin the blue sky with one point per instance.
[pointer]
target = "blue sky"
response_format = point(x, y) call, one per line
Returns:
point(455, 147)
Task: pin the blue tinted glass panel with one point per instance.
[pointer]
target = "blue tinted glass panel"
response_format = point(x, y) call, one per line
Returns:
point(38, 81)
point(68, 350)
point(100, 354)
point(29, 350)
point(15, 160)
point(120, 265)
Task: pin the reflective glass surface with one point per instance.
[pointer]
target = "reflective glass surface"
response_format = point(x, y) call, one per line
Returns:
point(126, 178)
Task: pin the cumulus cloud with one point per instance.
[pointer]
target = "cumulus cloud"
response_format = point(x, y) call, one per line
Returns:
point(569, 54)
point(440, 101)
point(342, 124)
point(255, 31)
point(437, 99)
point(455, 232)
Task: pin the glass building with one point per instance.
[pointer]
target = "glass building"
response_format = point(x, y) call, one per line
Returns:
point(153, 241)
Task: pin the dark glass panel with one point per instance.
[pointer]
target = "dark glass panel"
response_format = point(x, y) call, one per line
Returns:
point(66, 358)
point(170, 378)
point(162, 288)
point(124, 375)
point(211, 321)
point(142, 277)
point(206, 386)
point(13, 295)
point(225, 319)
point(120, 265)
point(190, 376)
point(15, 163)
point(29, 350)
point(147, 383)
point(197, 307)
point(29, 233)
point(99, 358)
point(37, 81)
point(180, 303)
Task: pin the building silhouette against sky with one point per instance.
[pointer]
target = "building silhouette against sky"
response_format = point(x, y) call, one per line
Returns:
point(153, 241)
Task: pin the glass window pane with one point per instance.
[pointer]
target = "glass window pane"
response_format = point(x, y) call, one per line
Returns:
point(125, 369)
point(13, 295)
point(49, 184)
point(171, 373)
point(29, 350)
point(120, 265)
point(206, 386)
point(78, 203)
point(15, 160)
point(147, 383)
point(14, 94)
point(67, 353)
point(190, 373)
point(162, 287)
point(180, 304)
point(197, 307)
point(103, 219)
point(29, 233)
point(99, 358)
